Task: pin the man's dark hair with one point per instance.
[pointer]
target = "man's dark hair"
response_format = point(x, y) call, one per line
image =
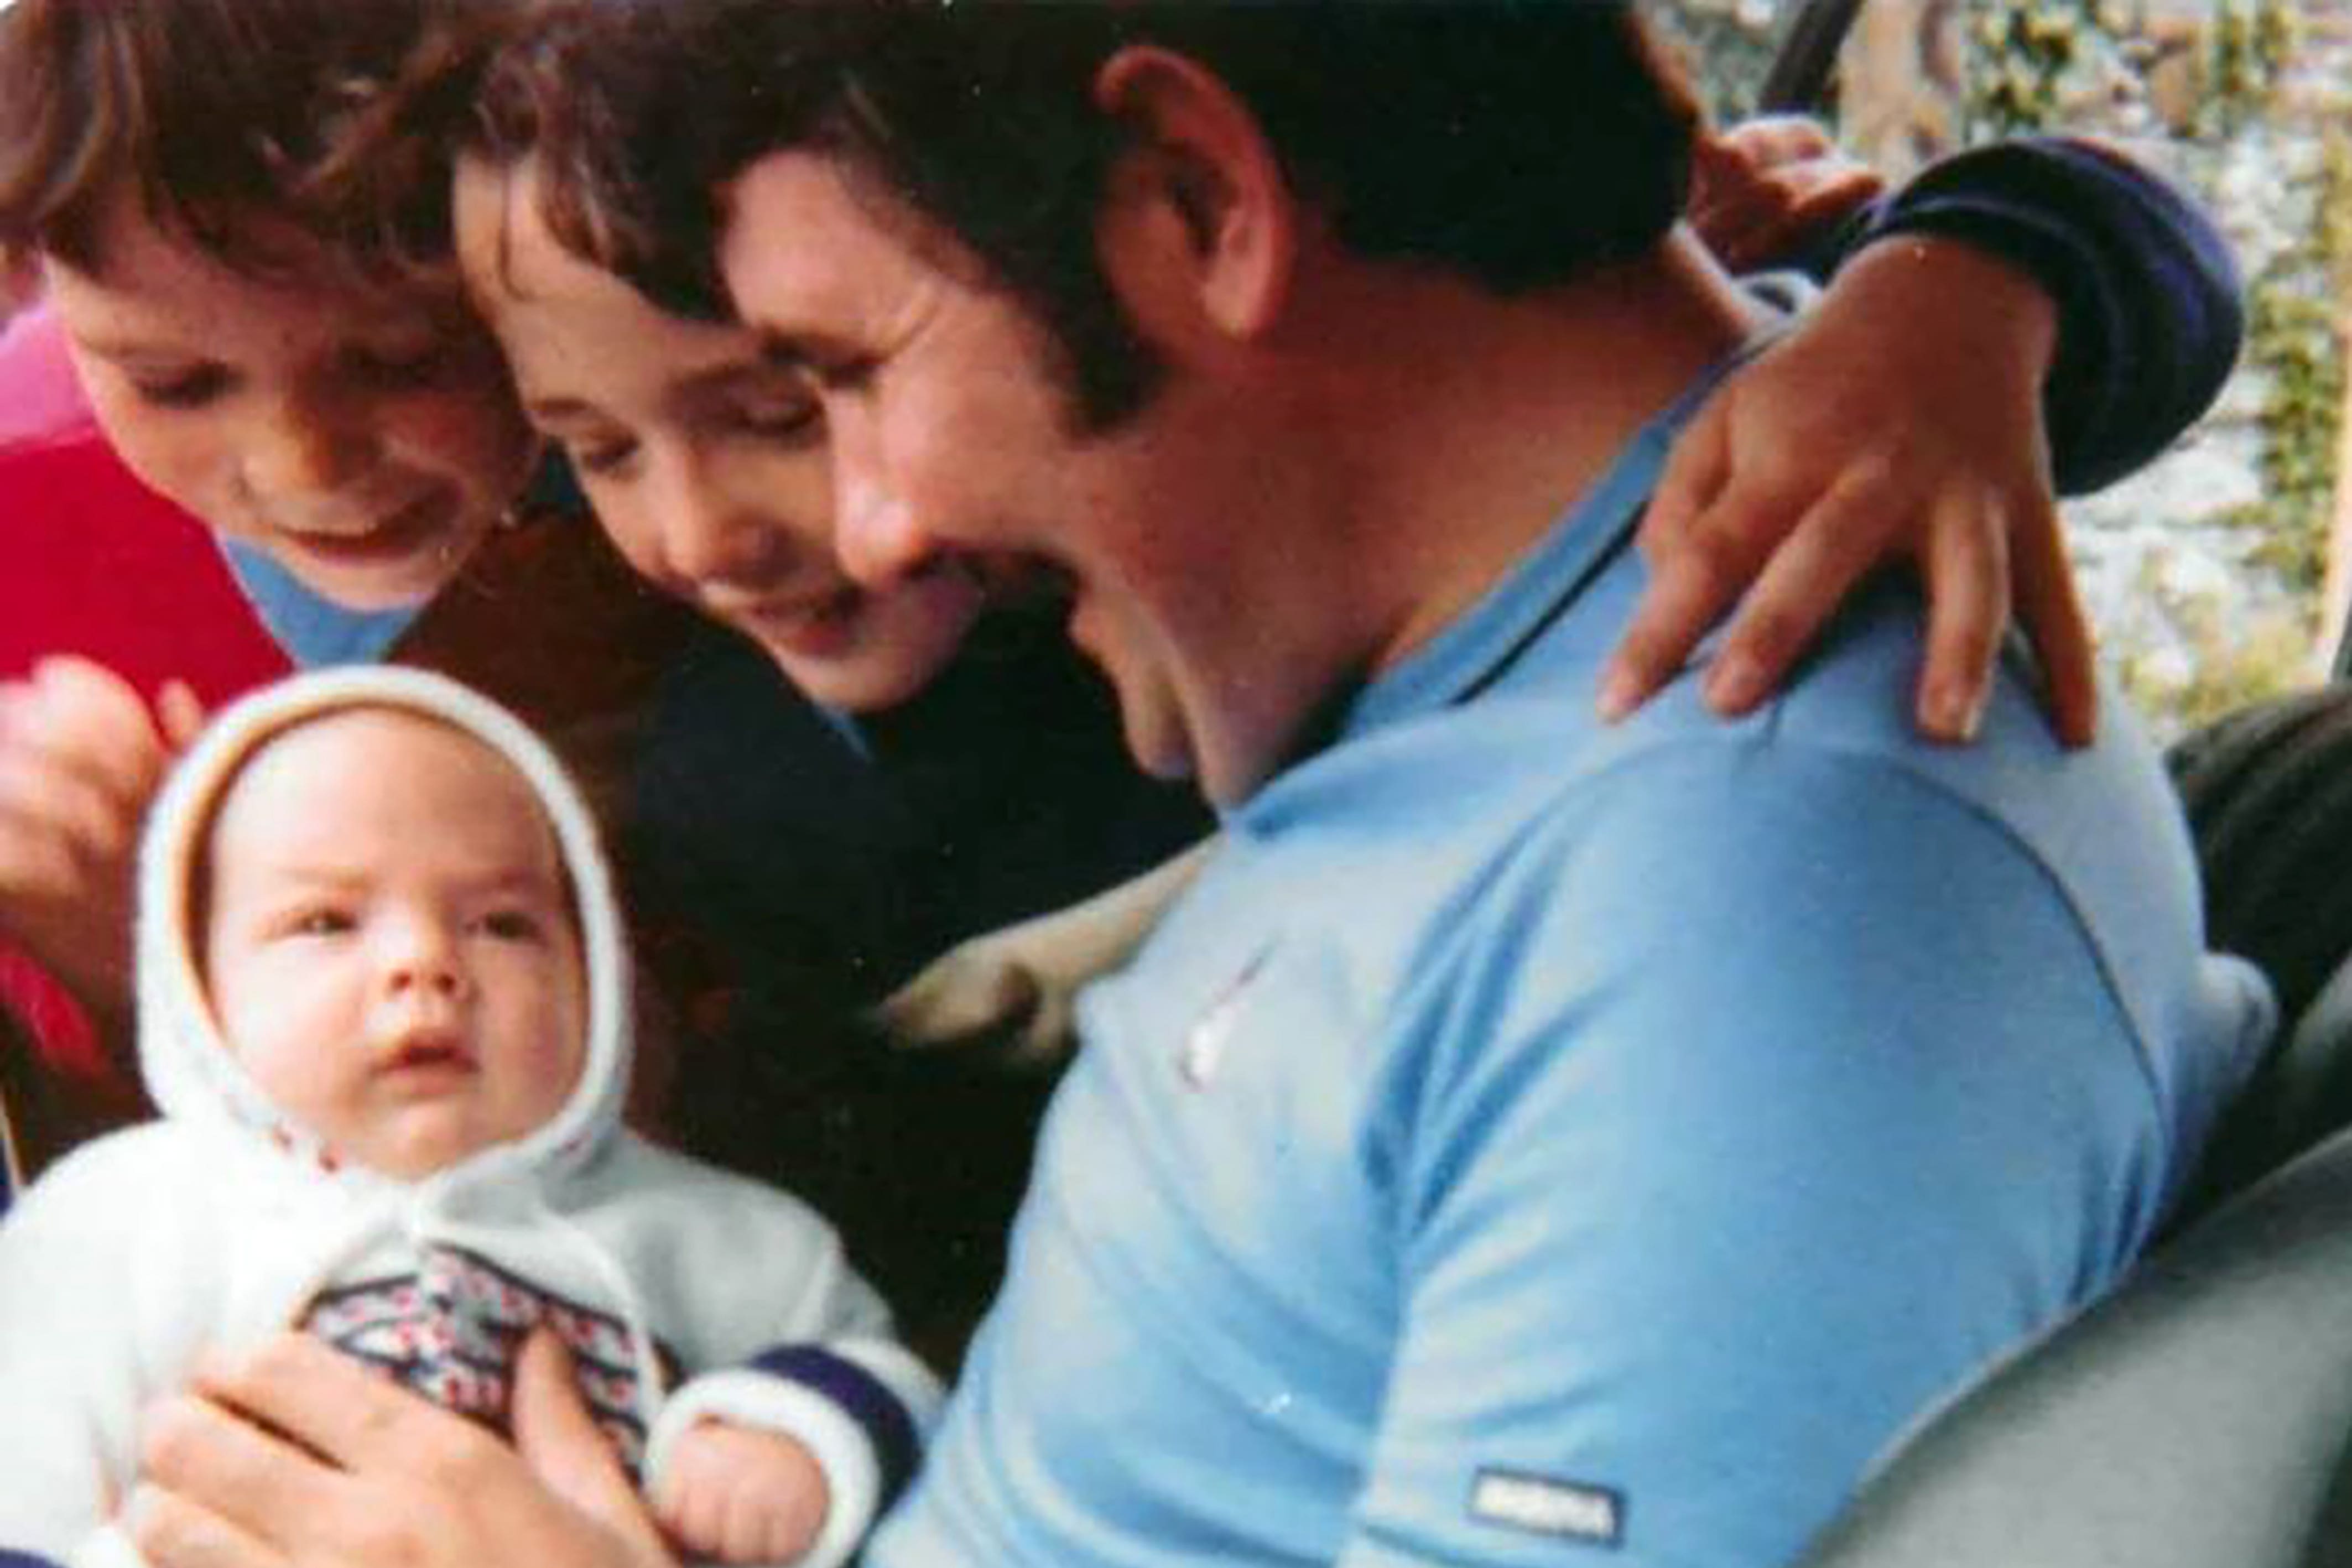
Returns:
point(1518, 141)
point(212, 113)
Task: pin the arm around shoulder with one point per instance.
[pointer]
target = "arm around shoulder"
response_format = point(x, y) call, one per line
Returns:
point(2150, 318)
point(2036, 312)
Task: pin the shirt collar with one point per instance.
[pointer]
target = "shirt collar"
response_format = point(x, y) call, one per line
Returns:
point(313, 629)
point(1474, 649)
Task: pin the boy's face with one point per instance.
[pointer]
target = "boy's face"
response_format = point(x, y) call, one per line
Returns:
point(390, 947)
point(707, 464)
point(367, 441)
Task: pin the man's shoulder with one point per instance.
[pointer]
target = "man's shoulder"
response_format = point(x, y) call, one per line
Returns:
point(1844, 722)
point(2101, 821)
point(1448, 799)
point(1519, 811)
point(1701, 852)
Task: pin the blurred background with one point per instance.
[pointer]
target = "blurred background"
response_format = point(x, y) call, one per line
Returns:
point(2221, 574)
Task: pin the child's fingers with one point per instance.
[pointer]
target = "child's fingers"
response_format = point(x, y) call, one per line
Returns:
point(756, 1529)
point(1966, 572)
point(1773, 139)
point(691, 1512)
point(1738, 157)
point(78, 807)
point(1736, 224)
point(1809, 575)
point(1697, 468)
point(35, 862)
point(1764, 186)
point(181, 714)
point(1691, 573)
point(85, 718)
point(1761, 224)
point(1818, 197)
point(671, 1491)
point(740, 1496)
point(2051, 613)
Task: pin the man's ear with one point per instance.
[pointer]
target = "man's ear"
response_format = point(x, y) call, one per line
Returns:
point(1198, 216)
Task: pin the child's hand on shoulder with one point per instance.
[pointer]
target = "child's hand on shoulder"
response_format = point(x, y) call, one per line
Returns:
point(735, 1495)
point(1901, 421)
point(81, 756)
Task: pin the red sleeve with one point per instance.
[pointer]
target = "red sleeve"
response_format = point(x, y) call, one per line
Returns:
point(100, 565)
point(93, 562)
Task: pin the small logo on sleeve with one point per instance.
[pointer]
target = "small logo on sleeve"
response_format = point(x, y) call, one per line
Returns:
point(1542, 1505)
point(1204, 1043)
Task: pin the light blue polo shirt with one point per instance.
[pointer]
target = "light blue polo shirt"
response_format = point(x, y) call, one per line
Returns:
point(1533, 1141)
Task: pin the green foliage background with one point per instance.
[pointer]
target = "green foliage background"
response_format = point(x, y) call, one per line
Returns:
point(2044, 64)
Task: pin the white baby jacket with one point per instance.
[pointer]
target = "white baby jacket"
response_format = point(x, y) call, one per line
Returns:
point(223, 1223)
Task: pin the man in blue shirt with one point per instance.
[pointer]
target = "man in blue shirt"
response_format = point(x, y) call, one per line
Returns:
point(1528, 1138)
point(1531, 1141)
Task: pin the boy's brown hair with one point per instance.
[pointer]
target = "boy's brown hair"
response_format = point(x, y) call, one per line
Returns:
point(1516, 142)
point(212, 113)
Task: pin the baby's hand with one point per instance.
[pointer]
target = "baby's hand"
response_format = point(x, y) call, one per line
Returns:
point(735, 1495)
point(80, 757)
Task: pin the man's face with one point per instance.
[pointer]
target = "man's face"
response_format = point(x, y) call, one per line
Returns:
point(390, 949)
point(707, 466)
point(948, 429)
point(367, 441)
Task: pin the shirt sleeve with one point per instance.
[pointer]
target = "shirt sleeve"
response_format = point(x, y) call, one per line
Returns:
point(2150, 318)
point(1739, 1137)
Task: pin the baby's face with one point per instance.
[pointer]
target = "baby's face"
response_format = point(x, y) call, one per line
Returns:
point(390, 947)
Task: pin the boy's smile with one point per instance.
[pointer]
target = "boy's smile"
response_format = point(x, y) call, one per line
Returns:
point(708, 465)
point(368, 441)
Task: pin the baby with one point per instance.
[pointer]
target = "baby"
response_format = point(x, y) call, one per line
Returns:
point(383, 1009)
